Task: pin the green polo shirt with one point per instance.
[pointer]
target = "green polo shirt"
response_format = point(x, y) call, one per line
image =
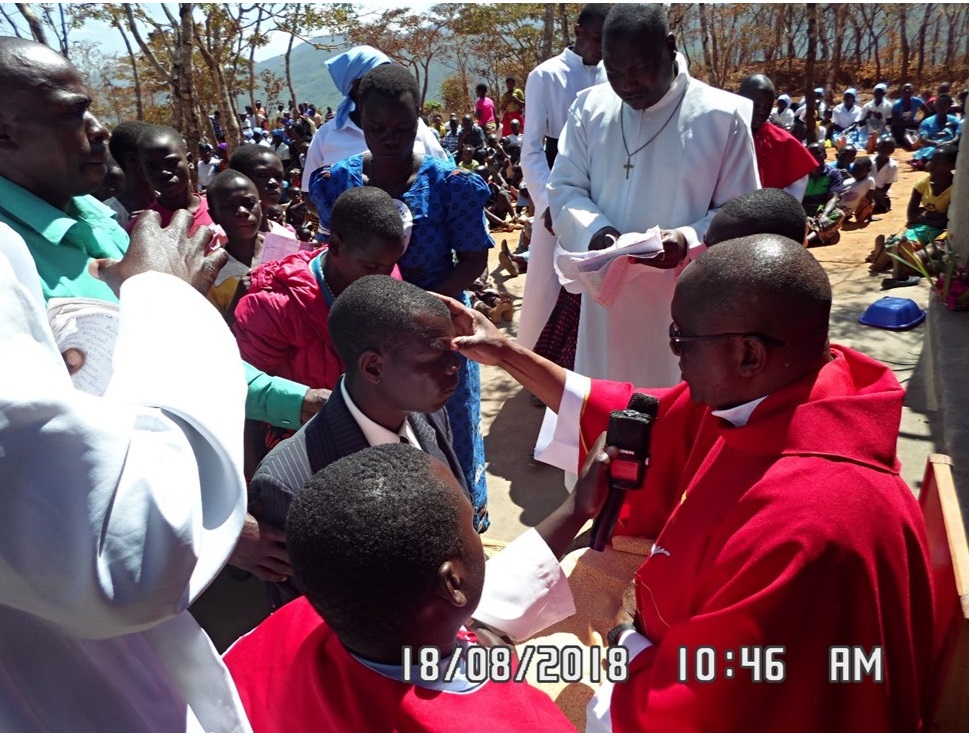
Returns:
point(63, 243)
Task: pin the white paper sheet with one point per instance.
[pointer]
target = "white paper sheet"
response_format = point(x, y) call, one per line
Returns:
point(601, 273)
point(91, 327)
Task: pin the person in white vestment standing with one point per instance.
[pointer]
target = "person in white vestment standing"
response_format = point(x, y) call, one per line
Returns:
point(120, 509)
point(551, 88)
point(653, 147)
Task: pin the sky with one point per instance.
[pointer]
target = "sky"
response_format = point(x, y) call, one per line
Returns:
point(109, 40)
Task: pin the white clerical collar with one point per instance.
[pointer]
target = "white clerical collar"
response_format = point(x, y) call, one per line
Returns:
point(374, 433)
point(573, 59)
point(739, 415)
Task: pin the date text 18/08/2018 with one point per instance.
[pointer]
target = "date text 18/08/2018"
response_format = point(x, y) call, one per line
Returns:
point(482, 664)
point(846, 664)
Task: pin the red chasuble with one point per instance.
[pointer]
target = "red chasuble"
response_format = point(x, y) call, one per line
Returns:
point(781, 159)
point(293, 674)
point(793, 531)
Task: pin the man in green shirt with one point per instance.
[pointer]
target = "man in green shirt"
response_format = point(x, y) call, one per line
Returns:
point(52, 156)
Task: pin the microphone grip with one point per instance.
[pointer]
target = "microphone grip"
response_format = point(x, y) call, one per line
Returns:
point(605, 522)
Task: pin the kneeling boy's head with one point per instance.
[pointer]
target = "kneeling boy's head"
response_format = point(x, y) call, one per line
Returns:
point(765, 211)
point(383, 545)
point(234, 205)
point(264, 168)
point(395, 340)
point(366, 236)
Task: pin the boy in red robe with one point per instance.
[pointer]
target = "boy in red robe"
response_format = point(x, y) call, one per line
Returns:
point(782, 161)
point(383, 543)
point(774, 495)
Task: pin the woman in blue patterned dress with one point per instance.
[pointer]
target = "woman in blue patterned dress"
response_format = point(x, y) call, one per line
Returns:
point(449, 240)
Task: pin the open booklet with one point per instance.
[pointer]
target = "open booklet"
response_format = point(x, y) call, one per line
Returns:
point(91, 327)
point(601, 273)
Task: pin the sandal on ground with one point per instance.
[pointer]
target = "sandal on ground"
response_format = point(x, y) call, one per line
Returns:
point(903, 282)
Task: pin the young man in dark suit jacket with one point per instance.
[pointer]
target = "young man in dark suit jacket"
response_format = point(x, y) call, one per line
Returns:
point(395, 340)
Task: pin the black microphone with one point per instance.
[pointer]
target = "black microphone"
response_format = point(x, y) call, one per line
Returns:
point(629, 431)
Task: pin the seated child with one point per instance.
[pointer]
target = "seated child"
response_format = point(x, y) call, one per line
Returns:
point(885, 173)
point(234, 206)
point(164, 160)
point(927, 212)
point(855, 200)
point(264, 168)
point(467, 161)
point(383, 545)
point(824, 181)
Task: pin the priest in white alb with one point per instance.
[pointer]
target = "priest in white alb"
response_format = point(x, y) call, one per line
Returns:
point(652, 148)
point(551, 88)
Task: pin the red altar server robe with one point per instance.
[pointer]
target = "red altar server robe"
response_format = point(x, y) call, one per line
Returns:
point(781, 158)
point(794, 530)
point(293, 674)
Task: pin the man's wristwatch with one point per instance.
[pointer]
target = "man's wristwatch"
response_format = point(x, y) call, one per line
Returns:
point(613, 636)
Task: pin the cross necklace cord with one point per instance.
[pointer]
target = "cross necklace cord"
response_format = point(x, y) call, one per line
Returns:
point(622, 131)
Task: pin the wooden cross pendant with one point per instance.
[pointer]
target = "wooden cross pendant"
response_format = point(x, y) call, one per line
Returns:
point(628, 166)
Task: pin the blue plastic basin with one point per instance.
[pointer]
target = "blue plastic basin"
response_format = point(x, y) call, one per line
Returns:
point(896, 314)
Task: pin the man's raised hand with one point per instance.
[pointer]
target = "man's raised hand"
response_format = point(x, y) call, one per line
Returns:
point(154, 248)
point(476, 337)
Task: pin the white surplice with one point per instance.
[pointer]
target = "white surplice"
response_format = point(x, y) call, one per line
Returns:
point(551, 88)
point(118, 512)
point(700, 160)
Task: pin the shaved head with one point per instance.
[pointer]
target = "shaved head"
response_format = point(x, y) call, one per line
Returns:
point(24, 65)
point(753, 317)
point(754, 84)
point(764, 211)
point(759, 90)
point(761, 283)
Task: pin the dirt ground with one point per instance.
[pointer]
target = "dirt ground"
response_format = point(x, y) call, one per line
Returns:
point(522, 491)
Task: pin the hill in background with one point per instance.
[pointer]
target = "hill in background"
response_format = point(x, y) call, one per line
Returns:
point(311, 80)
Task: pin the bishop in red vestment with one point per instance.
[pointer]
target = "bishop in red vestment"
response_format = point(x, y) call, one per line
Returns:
point(782, 527)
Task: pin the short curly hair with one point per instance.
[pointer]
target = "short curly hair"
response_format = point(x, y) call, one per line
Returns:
point(391, 80)
point(366, 536)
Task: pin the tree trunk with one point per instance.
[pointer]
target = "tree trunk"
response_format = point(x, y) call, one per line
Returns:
point(812, 15)
point(858, 36)
point(564, 23)
point(956, 26)
point(935, 41)
point(33, 22)
point(548, 31)
point(186, 89)
point(289, 75)
point(923, 28)
point(136, 79)
point(708, 59)
point(903, 40)
point(834, 71)
point(252, 59)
